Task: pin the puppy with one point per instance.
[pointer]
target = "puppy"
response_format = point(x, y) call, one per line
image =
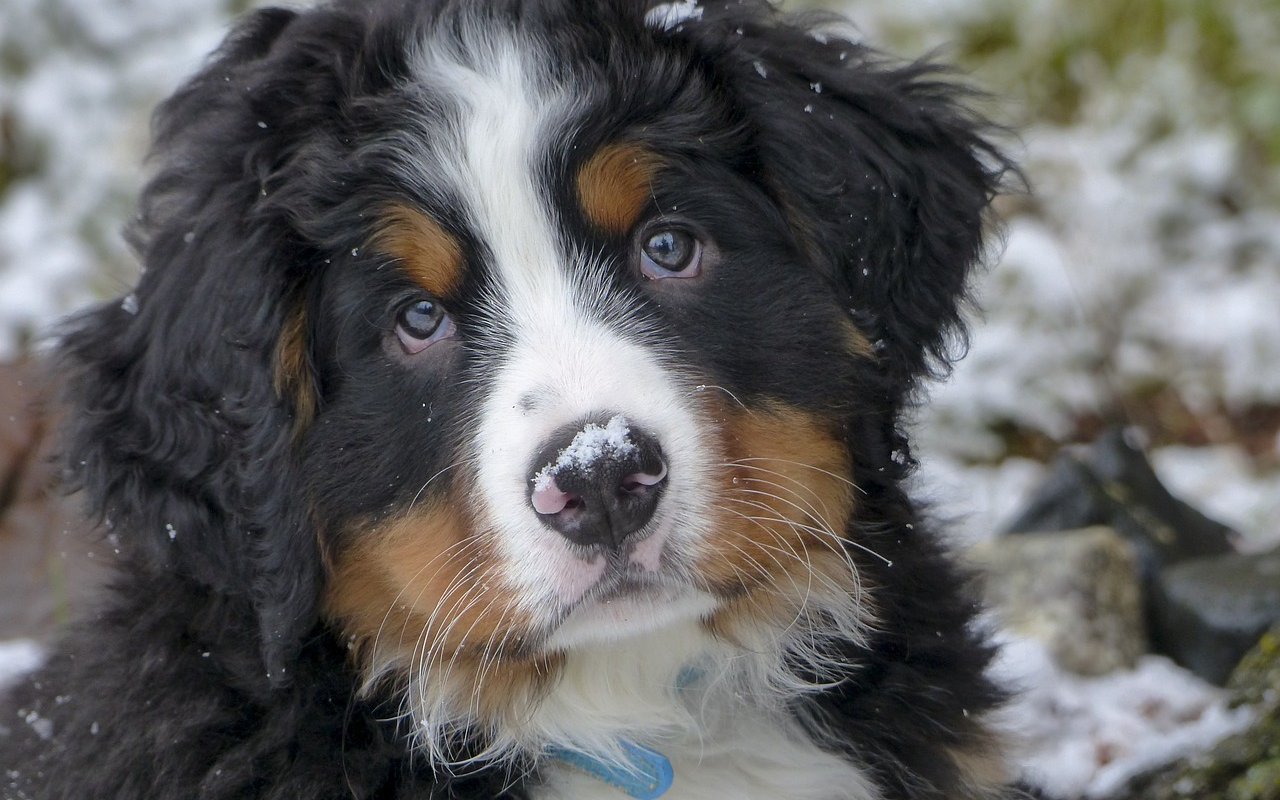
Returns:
point(510, 408)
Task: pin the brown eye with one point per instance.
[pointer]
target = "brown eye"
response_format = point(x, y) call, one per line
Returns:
point(670, 253)
point(421, 323)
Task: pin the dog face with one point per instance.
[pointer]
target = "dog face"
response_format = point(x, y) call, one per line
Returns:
point(620, 329)
point(496, 331)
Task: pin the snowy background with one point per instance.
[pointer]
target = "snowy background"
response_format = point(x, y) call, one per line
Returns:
point(1139, 284)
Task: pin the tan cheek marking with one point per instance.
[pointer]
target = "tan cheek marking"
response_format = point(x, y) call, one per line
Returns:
point(419, 580)
point(294, 379)
point(430, 256)
point(422, 593)
point(783, 504)
point(616, 184)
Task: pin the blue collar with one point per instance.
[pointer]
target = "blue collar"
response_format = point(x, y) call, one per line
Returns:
point(647, 775)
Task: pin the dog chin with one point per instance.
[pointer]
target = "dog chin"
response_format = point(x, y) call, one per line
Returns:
point(629, 612)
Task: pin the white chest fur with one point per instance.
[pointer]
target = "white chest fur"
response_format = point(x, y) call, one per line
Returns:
point(723, 740)
point(755, 761)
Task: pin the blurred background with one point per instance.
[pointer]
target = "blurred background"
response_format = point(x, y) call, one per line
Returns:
point(1140, 282)
point(1138, 286)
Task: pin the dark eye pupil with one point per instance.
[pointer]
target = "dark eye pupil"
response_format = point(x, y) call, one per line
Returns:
point(670, 249)
point(421, 319)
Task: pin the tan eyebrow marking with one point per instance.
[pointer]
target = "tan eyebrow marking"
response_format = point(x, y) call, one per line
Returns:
point(616, 184)
point(294, 376)
point(431, 256)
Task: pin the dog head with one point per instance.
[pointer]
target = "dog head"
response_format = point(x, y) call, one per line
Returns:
point(493, 331)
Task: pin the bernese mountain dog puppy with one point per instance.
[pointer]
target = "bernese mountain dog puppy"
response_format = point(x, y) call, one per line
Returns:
point(510, 407)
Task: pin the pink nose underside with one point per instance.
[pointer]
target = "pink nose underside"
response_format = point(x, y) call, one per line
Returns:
point(548, 498)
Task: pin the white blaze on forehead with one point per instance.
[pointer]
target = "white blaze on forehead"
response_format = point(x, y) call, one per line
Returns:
point(566, 341)
point(505, 114)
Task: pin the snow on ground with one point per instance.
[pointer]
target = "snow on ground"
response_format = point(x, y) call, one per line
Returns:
point(17, 657)
point(1222, 483)
point(77, 81)
point(1085, 737)
point(1149, 254)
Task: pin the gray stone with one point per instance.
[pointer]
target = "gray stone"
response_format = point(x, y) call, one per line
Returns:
point(1208, 612)
point(1076, 591)
point(1111, 483)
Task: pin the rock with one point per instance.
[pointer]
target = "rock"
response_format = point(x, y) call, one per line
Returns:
point(1245, 766)
point(1256, 680)
point(1207, 613)
point(48, 562)
point(1112, 483)
point(1078, 592)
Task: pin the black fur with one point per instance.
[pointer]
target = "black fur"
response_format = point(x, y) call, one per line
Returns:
point(208, 672)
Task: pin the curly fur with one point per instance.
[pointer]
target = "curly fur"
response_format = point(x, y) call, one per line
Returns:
point(233, 432)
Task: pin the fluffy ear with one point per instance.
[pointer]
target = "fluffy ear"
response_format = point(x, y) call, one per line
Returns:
point(884, 174)
point(181, 434)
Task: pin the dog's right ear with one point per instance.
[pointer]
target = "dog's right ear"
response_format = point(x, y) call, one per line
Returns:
point(181, 429)
point(882, 170)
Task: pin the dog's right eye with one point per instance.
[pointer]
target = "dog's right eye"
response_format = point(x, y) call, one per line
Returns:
point(421, 323)
point(670, 253)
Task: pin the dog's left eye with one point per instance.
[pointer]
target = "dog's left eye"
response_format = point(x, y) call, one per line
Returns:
point(421, 323)
point(670, 253)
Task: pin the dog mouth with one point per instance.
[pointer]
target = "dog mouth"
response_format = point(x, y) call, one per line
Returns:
point(623, 603)
point(624, 583)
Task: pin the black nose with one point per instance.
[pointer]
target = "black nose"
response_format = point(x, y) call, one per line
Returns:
point(597, 482)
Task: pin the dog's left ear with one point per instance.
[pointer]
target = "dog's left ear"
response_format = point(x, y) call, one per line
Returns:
point(187, 396)
point(884, 174)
